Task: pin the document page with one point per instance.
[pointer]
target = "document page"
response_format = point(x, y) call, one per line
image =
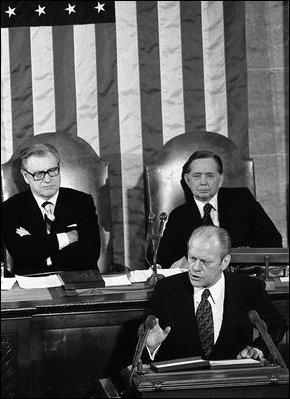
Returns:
point(138, 276)
point(53, 280)
point(7, 283)
point(235, 363)
point(116, 280)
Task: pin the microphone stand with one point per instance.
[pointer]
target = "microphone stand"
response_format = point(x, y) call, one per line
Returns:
point(152, 280)
point(274, 352)
point(263, 330)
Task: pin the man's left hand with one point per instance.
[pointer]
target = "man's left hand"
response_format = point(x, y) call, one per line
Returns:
point(251, 352)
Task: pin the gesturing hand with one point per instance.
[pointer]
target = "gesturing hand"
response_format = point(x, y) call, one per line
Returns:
point(156, 336)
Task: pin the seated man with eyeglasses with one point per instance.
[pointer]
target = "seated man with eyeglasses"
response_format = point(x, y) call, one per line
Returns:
point(49, 228)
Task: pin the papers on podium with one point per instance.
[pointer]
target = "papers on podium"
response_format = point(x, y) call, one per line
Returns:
point(139, 276)
point(114, 281)
point(196, 362)
point(7, 283)
point(186, 363)
point(53, 280)
point(234, 363)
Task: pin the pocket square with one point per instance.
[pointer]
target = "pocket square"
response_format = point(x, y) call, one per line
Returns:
point(71, 225)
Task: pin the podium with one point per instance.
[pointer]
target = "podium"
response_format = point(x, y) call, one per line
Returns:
point(264, 382)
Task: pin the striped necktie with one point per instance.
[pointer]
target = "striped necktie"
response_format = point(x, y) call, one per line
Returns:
point(48, 214)
point(205, 323)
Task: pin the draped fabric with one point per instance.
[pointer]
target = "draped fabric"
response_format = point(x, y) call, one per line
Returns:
point(126, 76)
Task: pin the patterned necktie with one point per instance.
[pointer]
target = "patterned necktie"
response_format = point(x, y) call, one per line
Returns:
point(205, 323)
point(48, 215)
point(206, 220)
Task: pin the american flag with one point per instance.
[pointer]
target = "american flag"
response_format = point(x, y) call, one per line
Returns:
point(126, 76)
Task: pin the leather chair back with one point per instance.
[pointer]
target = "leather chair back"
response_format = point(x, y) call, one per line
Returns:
point(163, 175)
point(81, 169)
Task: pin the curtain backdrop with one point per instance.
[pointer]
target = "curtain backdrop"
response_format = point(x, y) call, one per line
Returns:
point(126, 76)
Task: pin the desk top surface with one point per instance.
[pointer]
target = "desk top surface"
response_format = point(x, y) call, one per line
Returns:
point(30, 301)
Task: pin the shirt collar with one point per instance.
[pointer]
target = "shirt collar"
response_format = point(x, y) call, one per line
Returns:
point(215, 291)
point(40, 200)
point(201, 204)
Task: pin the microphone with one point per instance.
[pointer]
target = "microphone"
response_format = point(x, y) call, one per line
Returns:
point(143, 332)
point(149, 235)
point(151, 281)
point(263, 330)
point(162, 217)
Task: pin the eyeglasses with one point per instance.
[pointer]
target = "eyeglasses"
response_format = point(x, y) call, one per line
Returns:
point(52, 172)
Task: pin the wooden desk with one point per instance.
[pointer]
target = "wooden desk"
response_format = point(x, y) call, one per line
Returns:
point(59, 346)
point(272, 382)
point(56, 346)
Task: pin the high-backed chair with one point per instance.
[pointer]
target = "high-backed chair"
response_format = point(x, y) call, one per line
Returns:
point(163, 187)
point(81, 169)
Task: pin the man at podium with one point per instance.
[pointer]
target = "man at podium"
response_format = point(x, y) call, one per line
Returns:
point(206, 311)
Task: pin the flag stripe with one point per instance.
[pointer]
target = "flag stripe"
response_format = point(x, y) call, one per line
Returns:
point(130, 122)
point(64, 80)
point(6, 113)
point(152, 138)
point(214, 67)
point(192, 59)
point(86, 84)
point(21, 85)
point(236, 72)
point(109, 128)
point(42, 79)
point(171, 69)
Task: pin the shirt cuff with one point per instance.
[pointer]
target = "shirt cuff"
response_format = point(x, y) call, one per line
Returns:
point(154, 353)
point(63, 240)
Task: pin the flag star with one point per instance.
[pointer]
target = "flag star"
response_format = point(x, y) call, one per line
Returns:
point(100, 7)
point(40, 10)
point(10, 11)
point(70, 9)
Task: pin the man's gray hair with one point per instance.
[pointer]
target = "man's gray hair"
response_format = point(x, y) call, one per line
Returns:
point(207, 232)
point(38, 150)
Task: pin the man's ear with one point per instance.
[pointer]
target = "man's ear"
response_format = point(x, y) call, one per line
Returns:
point(226, 261)
point(186, 179)
point(221, 180)
point(24, 177)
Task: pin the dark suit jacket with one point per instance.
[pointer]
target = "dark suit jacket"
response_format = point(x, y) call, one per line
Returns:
point(31, 251)
point(172, 302)
point(239, 213)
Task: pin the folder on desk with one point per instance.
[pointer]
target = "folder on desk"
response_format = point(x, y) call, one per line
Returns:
point(82, 279)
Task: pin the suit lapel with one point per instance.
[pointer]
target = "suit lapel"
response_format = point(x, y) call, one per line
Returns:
point(223, 208)
point(188, 313)
point(230, 314)
point(33, 213)
point(194, 216)
point(60, 205)
point(61, 210)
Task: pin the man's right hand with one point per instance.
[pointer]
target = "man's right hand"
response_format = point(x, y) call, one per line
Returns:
point(73, 236)
point(156, 336)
